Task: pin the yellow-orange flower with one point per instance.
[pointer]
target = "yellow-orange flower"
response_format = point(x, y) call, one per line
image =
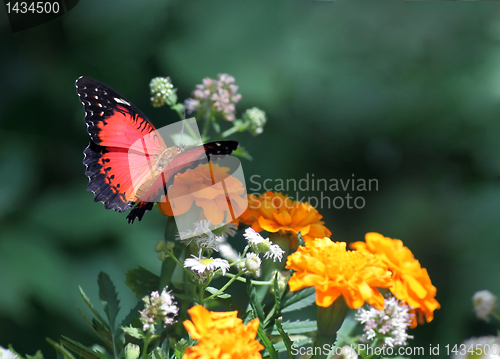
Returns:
point(335, 271)
point(210, 187)
point(275, 212)
point(410, 282)
point(221, 335)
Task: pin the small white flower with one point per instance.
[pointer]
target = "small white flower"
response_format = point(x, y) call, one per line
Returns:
point(202, 265)
point(275, 252)
point(7, 354)
point(252, 236)
point(484, 303)
point(388, 325)
point(260, 244)
point(229, 229)
point(158, 307)
point(200, 236)
point(252, 264)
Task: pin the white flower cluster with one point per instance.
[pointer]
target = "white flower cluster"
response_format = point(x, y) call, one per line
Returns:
point(158, 308)
point(161, 89)
point(255, 119)
point(388, 325)
point(260, 245)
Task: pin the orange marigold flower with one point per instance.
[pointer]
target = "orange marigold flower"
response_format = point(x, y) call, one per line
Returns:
point(335, 271)
point(275, 212)
point(410, 282)
point(221, 335)
point(197, 187)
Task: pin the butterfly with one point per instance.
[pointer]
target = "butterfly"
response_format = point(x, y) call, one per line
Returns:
point(122, 173)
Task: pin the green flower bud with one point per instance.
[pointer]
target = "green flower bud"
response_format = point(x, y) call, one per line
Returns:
point(132, 351)
point(255, 120)
point(160, 246)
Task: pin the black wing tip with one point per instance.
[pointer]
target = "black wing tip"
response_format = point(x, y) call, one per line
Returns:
point(139, 211)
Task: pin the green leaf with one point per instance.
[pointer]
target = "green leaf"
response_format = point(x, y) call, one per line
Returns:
point(166, 347)
point(297, 327)
point(213, 290)
point(277, 294)
point(109, 298)
point(99, 333)
point(172, 99)
point(280, 347)
point(255, 301)
point(277, 303)
point(133, 314)
point(216, 126)
point(79, 349)
point(104, 331)
point(180, 348)
point(285, 337)
point(91, 307)
point(348, 326)
point(302, 242)
point(299, 300)
point(133, 332)
point(60, 349)
point(266, 342)
point(142, 282)
point(243, 153)
point(38, 355)
point(158, 353)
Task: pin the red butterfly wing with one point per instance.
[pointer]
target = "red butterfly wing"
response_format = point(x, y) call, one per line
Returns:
point(118, 131)
point(187, 160)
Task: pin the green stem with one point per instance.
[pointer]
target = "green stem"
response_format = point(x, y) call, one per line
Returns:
point(329, 321)
point(254, 282)
point(145, 350)
point(202, 294)
point(172, 255)
point(231, 131)
point(208, 119)
point(495, 315)
point(234, 277)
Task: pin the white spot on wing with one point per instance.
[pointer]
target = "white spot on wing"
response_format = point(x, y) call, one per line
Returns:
point(120, 100)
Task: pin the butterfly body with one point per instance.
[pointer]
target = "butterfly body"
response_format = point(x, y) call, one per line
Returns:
point(127, 161)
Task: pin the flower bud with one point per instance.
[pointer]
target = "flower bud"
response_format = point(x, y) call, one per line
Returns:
point(255, 119)
point(484, 304)
point(252, 264)
point(132, 351)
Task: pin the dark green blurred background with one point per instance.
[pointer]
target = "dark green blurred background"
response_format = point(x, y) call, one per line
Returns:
point(407, 93)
